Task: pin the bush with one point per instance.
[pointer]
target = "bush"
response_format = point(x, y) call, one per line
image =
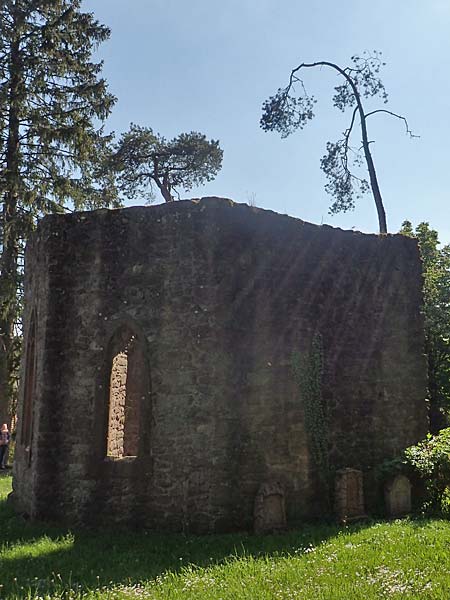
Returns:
point(430, 461)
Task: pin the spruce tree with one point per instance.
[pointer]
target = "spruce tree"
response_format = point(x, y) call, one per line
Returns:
point(53, 101)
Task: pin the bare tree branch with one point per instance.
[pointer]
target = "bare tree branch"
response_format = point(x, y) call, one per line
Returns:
point(393, 114)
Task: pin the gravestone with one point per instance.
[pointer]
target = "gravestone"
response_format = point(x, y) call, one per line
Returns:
point(270, 511)
point(349, 495)
point(397, 496)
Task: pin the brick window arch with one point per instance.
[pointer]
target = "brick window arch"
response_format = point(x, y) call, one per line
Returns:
point(128, 388)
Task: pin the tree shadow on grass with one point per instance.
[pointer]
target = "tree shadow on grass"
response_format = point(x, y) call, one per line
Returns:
point(43, 558)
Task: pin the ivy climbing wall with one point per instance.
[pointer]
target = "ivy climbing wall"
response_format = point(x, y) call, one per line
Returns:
point(268, 350)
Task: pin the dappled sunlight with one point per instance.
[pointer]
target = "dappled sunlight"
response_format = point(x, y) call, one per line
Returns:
point(42, 547)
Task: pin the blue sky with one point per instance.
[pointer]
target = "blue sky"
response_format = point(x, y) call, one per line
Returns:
point(207, 65)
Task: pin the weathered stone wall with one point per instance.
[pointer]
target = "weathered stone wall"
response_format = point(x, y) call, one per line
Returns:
point(219, 297)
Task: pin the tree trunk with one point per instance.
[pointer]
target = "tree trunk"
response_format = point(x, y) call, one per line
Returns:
point(8, 300)
point(164, 189)
point(368, 156)
point(10, 233)
point(373, 178)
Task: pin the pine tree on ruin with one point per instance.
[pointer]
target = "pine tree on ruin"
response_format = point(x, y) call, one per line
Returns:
point(143, 160)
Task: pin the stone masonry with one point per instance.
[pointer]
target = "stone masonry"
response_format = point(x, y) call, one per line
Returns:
point(157, 384)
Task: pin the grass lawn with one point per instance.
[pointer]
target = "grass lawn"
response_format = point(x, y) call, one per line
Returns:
point(403, 559)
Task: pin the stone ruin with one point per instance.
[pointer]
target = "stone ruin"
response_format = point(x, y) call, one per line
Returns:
point(157, 383)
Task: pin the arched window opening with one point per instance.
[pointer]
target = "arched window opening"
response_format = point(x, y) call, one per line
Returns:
point(128, 385)
point(26, 433)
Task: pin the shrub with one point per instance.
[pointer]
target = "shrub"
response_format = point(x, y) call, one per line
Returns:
point(428, 462)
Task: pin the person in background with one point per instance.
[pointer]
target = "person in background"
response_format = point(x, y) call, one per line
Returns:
point(4, 445)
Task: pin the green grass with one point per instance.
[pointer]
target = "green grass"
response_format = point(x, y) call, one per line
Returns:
point(403, 559)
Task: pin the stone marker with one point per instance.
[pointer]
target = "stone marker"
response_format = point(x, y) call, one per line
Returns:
point(397, 496)
point(349, 495)
point(270, 511)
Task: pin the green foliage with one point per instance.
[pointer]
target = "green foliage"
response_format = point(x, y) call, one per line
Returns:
point(445, 502)
point(427, 464)
point(430, 456)
point(308, 371)
point(52, 104)
point(142, 159)
point(436, 291)
point(51, 86)
point(430, 460)
point(391, 467)
point(286, 113)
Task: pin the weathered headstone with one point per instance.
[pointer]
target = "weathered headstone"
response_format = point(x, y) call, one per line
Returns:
point(270, 511)
point(397, 496)
point(349, 495)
